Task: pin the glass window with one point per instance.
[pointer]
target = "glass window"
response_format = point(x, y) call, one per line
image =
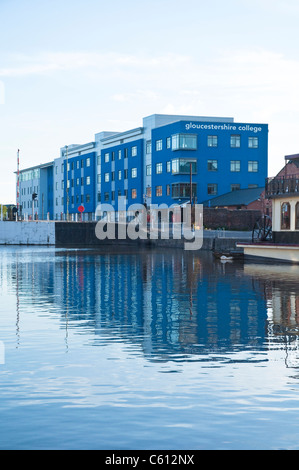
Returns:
point(148, 191)
point(285, 216)
point(87, 197)
point(119, 154)
point(107, 177)
point(182, 166)
point(182, 190)
point(158, 168)
point(119, 174)
point(88, 180)
point(149, 146)
point(184, 142)
point(253, 166)
point(106, 157)
point(134, 193)
point(168, 167)
point(125, 174)
point(212, 165)
point(235, 141)
point(134, 151)
point(253, 142)
point(106, 196)
point(212, 141)
point(88, 162)
point(159, 145)
point(134, 173)
point(148, 170)
point(235, 187)
point(158, 191)
point(235, 165)
point(168, 142)
point(297, 217)
point(212, 189)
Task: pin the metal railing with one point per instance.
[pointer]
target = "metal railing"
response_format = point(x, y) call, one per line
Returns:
point(282, 185)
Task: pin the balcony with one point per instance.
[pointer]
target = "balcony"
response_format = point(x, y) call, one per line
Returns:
point(280, 186)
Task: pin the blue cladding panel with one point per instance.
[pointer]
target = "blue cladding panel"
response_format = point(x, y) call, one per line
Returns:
point(125, 164)
point(223, 153)
point(79, 175)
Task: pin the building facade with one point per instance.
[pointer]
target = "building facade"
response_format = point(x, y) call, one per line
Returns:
point(156, 163)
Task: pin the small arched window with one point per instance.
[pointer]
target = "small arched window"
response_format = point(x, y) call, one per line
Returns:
point(285, 216)
point(297, 216)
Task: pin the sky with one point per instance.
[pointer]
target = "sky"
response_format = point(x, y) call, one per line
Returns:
point(74, 68)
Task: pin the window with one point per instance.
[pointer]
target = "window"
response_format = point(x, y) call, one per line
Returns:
point(252, 186)
point(168, 167)
point(212, 141)
point(235, 165)
point(78, 181)
point(88, 180)
point(119, 175)
point(106, 157)
point(235, 141)
point(148, 147)
point(134, 173)
point(125, 174)
point(168, 189)
point(212, 165)
point(113, 176)
point(158, 145)
point(285, 216)
point(253, 166)
point(182, 166)
point(126, 153)
point(253, 142)
point(99, 197)
point(112, 156)
point(87, 197)
point(212, 189)
point(134, 193)
point(106, 197)
point(182, 190)
point(134, 151)
point(107, 177)
point(98, 178)
point(119, 154)
point(158, 168)
point(148, 191)
point(168, 142)
point(158, 191)
point(235, 187)
point(184, 142)
point(99, 159)
point(88, 162)
point(112, 195)
point(148, 170)
point(297, 217)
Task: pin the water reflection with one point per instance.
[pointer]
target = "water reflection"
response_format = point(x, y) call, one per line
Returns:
point(170, 303)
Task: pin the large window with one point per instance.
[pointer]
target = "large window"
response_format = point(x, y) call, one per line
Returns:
point(253, 166)
point(253, 142)
point(158, 145)
point(184, 142)
point(212, 189)
point(235, 165)
point(212, 165)
point(285, 216)
point(158, 191)
point(235, 141)
point(212, 140)
point(134, 173)
point(158, 168)
point(182, 166)
point(182, 190)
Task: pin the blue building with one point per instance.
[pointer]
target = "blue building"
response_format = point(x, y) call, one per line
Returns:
point(153, 164)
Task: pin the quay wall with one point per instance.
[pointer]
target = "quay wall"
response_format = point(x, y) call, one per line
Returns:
point(82, 234)
point(27, 233)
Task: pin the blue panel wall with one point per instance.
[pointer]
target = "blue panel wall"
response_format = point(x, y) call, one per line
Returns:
point(122, 160)
point(223, 153)
point(80, 192)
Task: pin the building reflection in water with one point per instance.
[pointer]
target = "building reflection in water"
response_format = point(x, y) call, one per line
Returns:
point(172, 304)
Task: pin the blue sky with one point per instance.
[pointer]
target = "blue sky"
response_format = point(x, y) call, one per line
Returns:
point(71, 69)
